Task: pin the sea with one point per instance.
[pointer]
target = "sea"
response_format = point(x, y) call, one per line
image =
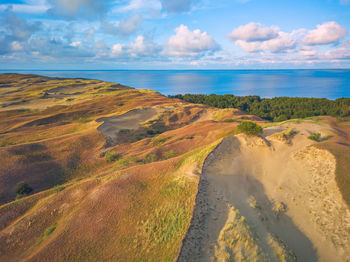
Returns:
point(326, 83)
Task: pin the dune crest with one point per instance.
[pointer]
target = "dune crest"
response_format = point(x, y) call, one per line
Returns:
point(273, 198)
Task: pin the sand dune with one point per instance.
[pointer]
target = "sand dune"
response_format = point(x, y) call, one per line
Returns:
point(269, 199)
point(130, 120)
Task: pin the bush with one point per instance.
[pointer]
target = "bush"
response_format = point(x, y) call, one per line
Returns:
point(249, 128)
point(169, 154)
point(23, 188)
point(315, 136)
point(112, 156)
point(150, 158)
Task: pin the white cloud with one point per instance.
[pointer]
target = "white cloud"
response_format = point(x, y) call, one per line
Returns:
point(339, 53)
point(254, 37)
point(254, 32)
point(124, 27)
point(75, 44)
point(282, 42)
point(16, 46)
point(326, 33)
point(308, 52)
point(141, 47)
point(189, 43)
point(116, 50)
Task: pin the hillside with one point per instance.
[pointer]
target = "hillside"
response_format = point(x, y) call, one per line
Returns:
point(120, 174)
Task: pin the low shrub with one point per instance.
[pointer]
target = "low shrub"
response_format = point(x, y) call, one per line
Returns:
point(170, 154)
point(156, 141)
point(249, 128)
point(150, 158)
point(315, 136)
point(23, 188)
point(112, 156)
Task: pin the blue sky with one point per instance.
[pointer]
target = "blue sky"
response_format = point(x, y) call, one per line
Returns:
point(174, 34)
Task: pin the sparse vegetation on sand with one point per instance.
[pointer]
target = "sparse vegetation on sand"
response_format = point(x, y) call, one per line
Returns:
point(315, 136)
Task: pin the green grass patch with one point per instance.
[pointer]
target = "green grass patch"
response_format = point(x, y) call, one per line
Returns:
point(125, 162)
point(169, 154)
point(158, 141)
point(5, 142)
point(315, 137)
point(112, 156)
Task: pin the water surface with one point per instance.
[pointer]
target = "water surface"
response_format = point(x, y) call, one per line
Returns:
point(330, 84)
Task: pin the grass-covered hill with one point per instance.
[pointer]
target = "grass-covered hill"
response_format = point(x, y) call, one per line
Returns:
point(113, 171)
point(94, 200)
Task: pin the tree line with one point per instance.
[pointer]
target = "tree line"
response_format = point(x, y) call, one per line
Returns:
point(274, 109)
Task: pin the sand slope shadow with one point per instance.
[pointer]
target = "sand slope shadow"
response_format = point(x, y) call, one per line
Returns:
point(220, 188)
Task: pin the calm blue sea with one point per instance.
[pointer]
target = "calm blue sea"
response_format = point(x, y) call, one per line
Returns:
point(330, 84)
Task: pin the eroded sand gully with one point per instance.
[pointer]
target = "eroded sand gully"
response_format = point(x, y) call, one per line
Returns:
point(269, 200)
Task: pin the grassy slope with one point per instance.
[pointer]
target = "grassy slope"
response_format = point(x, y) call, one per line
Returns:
point(128, 208)
point(339, 146)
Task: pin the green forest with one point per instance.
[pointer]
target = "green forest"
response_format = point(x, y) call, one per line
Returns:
point(274, 109)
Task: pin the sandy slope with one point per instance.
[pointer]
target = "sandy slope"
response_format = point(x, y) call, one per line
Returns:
point(270, 199)
point(130, 120)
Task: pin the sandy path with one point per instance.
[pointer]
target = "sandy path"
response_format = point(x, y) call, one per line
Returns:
point(130, 120)
point(269, 203)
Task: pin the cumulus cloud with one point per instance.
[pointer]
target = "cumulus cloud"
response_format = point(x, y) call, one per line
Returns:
point(141, 47)
point(125, 27)
point(116, 50)
point(254, 37)
point(283, 42)
point(75, 9)
point(177, 6)
point(189, 43)
point(254, 32)
point(326, 33)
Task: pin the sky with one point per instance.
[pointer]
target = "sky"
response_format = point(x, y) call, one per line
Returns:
point(174, 34)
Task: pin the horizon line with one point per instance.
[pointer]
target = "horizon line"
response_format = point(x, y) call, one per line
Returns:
point(210, 69)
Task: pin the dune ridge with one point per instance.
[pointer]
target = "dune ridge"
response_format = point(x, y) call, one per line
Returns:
point(284, 195)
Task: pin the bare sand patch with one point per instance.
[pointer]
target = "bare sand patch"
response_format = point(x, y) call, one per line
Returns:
point(261, 199)
point(130, 120)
